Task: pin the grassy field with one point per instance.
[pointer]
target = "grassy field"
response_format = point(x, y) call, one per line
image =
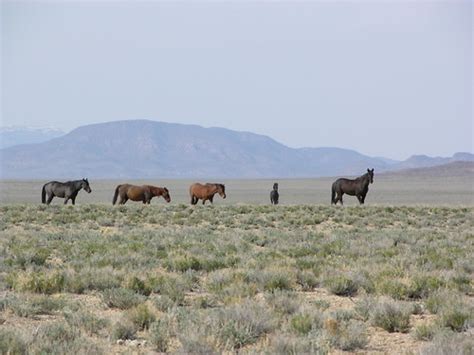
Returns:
point(246, 278)
point(391, 190)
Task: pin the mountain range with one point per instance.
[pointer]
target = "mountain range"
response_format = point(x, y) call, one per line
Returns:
point(150, 149)
point(10, 136)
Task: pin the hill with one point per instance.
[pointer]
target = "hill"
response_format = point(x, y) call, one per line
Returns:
point(11, 136)
point(456, 168)
point(149, 149)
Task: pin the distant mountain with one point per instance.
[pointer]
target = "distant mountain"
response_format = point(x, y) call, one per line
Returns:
point(10, 136)
point(149, 149)
point(453, 169)
point(420, 161)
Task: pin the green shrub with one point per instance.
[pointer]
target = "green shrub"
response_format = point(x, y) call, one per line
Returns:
point(242, 324)
point(284, 302)
point(86, 321)
point(301, 323)
point(423, 286)
point(456, 316)
point(347, 335)
point(121, 298)
point(141, 316)
point(392, 288)
point(160, 334)
point(38, 282)
point(124, 330)
point(307, 280)
point(425, 332)
point(341, 285)
point(12, 343)
point(391, 317)
point(138, 286)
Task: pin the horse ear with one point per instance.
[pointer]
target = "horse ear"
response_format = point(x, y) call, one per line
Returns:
point(368, 170)
point(372, 169)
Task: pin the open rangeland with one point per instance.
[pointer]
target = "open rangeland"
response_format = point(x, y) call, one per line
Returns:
point(246, 278)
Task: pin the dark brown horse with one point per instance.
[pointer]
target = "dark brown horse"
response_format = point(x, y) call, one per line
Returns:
point(357, 187)
point(205, 192)
point(139, 193)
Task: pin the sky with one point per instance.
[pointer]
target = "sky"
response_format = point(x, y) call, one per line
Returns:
point(386, 78)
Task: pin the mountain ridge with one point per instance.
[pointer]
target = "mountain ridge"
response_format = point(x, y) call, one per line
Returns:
point(149, 149)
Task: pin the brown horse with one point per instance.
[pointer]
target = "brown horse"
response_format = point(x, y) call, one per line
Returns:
point(139, 193)
point(205, 192)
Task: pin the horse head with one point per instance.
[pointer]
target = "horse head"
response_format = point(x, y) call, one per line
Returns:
point(221, 190)
point(85, 185)
point(275, 186)
point(370, 173)
point(166, 194)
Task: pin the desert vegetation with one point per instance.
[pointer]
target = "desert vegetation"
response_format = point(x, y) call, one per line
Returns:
point(247, 278)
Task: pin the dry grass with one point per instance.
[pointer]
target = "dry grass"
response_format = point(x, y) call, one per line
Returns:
point(247, 278)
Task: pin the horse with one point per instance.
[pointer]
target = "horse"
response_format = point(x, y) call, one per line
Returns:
point(205, 192)
point(274, 195)
point(67, 190)
point(357, 187)
point(139, 193)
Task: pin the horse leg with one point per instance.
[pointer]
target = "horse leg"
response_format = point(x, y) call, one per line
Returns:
point(211, 199)
point(65, 200)
point(73, 198)
point(339, 198)
point(203, 201)
point(123, 200)
point(50, 198)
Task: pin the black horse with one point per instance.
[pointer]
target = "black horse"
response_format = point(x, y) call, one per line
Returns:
point(67, 190)
point(357, 187)
point(274, 195)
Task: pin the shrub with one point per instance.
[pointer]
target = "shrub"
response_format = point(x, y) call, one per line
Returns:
point(447, 343)
point(60, 338)
point(242, 324)
point(301, 323)
point(33, 305)
point(284, 302)
point(341, 285)
point(307, 280)
point(456, 316)
point(425, 332)
point(393, 288)
point(11, 342)
point(137, 285)
point(391, 317)
point(124, 330)
point(364, 307)
point(141, 316)
point(121, 298)
point(422, 286)
point(86, 321)
point(160, 334)
point(346, 335)
point(38, 282)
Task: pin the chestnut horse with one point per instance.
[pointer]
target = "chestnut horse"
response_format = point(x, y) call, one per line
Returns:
point(139, 193)
point(205, 192)
point(357, 187)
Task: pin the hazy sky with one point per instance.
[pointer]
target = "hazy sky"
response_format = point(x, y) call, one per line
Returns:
point(390, 78)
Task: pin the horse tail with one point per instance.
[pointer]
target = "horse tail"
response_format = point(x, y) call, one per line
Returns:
point(43, 194)
point(116, 194)
point(333, 193)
